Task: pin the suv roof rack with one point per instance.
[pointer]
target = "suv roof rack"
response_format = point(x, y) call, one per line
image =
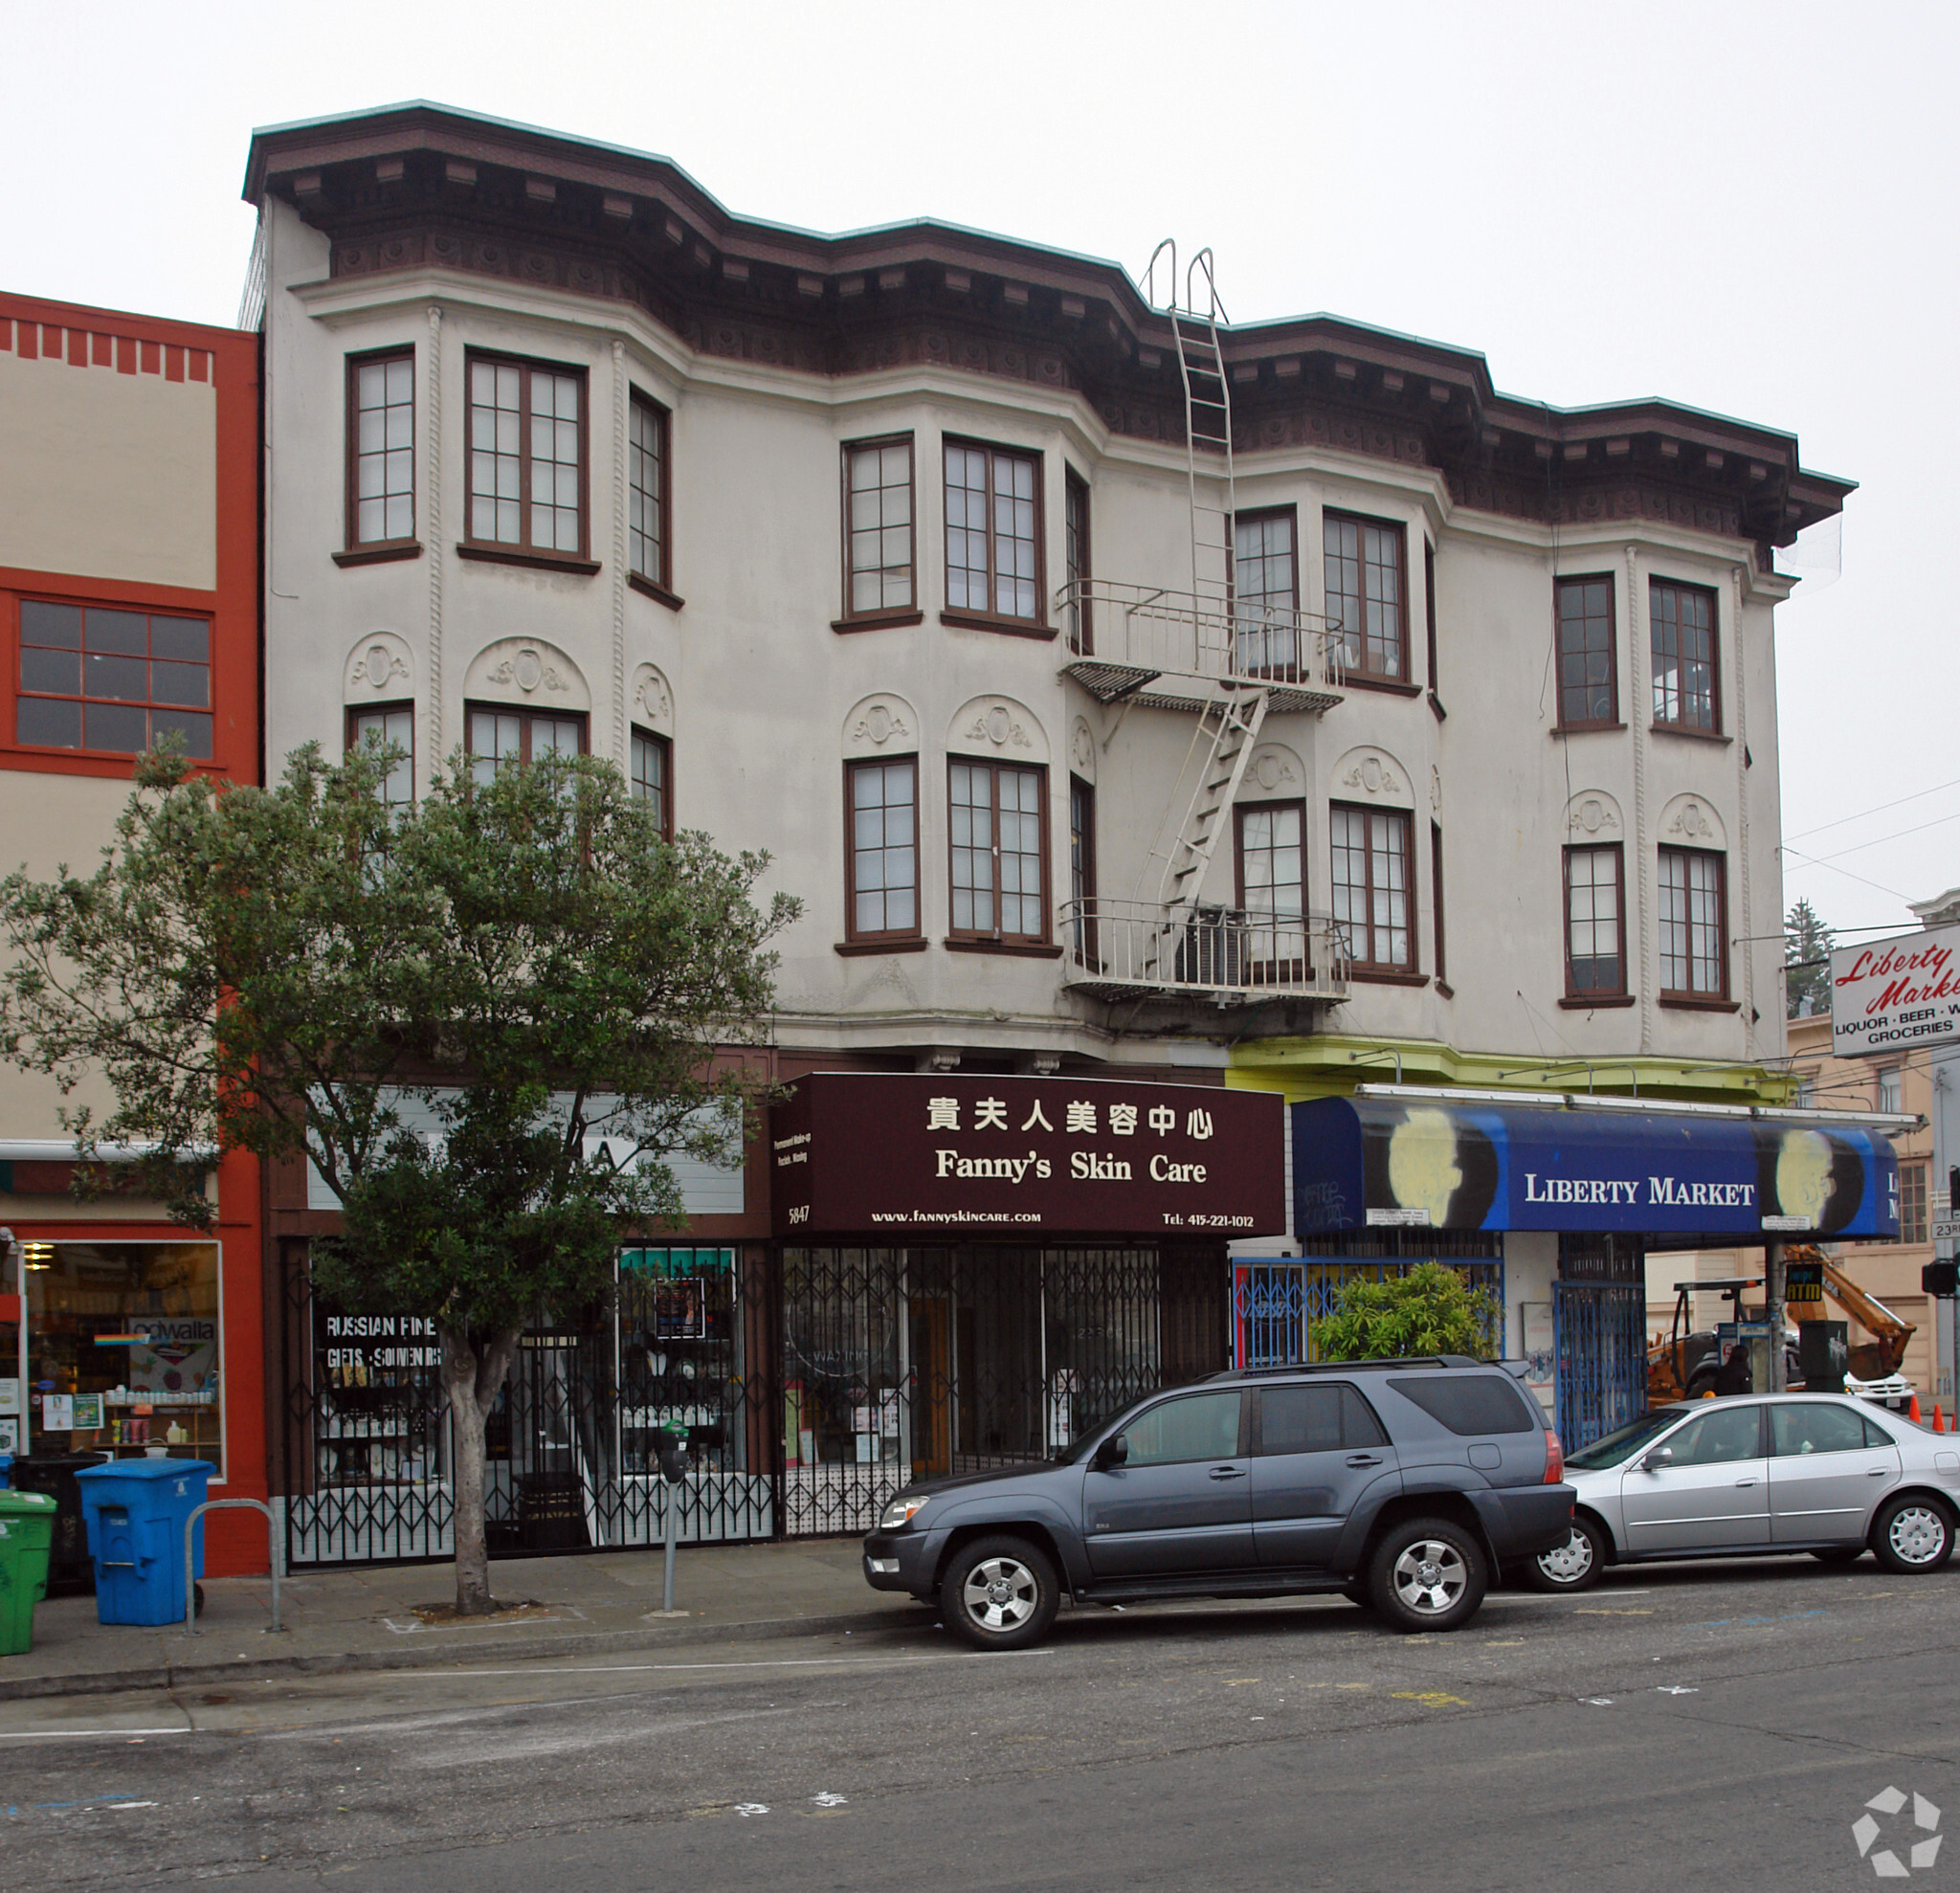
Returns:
point(1351, 1366)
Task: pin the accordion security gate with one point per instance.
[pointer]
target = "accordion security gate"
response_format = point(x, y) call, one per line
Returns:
point(810, 1383)
point(1599, 1329)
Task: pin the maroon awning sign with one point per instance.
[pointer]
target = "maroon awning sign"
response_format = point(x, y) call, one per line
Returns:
point(952, 1156)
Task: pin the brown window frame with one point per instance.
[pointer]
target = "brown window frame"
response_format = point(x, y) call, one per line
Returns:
point(522, 550)
point(999, 936)
point(662, 746)
point(20, 691)
point(989, 619)
point(398, 543)
point(1691, 996)
point(1076, 552)
point(1913, 1207)
point(1435, 903)
point(1567, 582)
point(527, 718)
point(1363, 673)
point(1366, 962)
point(1271, 966)
point(660, 583)
point(1082, 866)
point(882, 615)
point(853, 933)
point(399, 706)
point(1429, 628)
point(1682, 588)
point(1583, 994)
point(1285, 667)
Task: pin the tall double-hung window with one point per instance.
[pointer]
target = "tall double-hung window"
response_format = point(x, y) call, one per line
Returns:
point(527, 450)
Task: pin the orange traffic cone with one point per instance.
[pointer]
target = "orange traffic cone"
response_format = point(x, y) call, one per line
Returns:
point(1913, 1411)
point(1939, 1425)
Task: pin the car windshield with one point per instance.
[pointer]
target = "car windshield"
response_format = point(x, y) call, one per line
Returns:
point(1620, 1446)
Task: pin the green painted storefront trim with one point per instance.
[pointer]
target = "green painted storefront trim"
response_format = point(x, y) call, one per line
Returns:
point(1331, 1066)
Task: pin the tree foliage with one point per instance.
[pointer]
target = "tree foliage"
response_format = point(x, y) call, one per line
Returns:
point(486, 1019)
point(1430, 1310)
point(1808, 945)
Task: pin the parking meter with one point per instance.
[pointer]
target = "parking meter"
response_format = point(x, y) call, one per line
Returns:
point(674, 1461)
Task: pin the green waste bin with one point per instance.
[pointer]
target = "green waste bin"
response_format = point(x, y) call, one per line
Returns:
point(27, 1529)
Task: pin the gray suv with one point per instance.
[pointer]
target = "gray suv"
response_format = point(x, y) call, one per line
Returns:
point(1402, 1484)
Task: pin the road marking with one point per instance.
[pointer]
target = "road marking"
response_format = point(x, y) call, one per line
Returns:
point(85, 1734)
point(775, 1663)
point(1430, 1699)
point(1788, 1616)
point(1673, 1689)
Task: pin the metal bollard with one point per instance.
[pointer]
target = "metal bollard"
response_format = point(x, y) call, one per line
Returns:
point(190, 1560)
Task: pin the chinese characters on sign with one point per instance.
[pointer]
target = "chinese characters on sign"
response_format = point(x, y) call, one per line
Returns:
point(861, 1151)
point(991, 1114)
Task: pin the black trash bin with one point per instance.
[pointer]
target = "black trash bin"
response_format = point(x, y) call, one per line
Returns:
point(71, 1570)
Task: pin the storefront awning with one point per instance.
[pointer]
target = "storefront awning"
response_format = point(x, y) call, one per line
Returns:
point(1435, 1164)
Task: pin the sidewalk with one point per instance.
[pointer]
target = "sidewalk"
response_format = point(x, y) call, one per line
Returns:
point(581, 1606)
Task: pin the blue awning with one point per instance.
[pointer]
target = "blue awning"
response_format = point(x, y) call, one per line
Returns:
point(1360, 1162)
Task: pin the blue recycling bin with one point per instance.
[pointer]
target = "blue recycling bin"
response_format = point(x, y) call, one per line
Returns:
point(136, 1510)
point(6, 1463)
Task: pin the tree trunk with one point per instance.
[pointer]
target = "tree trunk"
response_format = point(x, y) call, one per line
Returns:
point(472, 1374)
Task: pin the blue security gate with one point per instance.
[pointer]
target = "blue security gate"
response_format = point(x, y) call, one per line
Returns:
point(1276, 1301)
point(1599, 1329)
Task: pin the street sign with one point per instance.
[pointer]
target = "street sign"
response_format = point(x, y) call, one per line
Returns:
point(1947, 1230)
point(1896, 994)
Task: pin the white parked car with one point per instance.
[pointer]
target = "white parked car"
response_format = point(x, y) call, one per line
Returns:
point(1759, 1475)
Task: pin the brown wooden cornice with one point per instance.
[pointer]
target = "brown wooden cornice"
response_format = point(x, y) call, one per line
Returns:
point(421, 185)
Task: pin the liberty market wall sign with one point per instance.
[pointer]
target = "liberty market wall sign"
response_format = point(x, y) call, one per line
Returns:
point(1894, 995)
point(944, 1155)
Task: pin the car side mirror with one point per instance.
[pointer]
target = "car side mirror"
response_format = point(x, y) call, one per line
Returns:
point(1112, 1452)
point(1660, 1455)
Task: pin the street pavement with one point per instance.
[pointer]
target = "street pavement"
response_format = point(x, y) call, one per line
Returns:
point(1705, 1725)
point(388, 1616)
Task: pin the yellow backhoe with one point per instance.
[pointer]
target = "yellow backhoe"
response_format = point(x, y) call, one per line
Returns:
point(1683, 1366)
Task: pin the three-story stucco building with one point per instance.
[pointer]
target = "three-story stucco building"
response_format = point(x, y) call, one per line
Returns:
point(1131, 698)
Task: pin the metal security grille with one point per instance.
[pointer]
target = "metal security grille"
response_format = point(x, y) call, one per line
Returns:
point(912, 1362)
point(1275, 1304)
point(366, 1451)
point(1599, 1329)
point(810, 1386)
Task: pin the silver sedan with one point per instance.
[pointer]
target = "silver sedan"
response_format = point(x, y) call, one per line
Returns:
point(1759, 1475)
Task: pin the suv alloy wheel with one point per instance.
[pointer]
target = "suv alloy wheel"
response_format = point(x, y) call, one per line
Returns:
point(1426, 1575)
point(999, 1593)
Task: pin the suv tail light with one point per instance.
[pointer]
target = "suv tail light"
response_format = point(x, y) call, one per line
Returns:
point(1554, 1458)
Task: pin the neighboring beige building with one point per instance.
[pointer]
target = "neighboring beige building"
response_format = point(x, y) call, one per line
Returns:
point(1889, 1270)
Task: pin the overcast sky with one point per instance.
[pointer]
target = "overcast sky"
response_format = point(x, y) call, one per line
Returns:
point(1748, 207)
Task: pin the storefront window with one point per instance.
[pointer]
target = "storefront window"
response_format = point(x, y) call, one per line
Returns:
point(381, 1411)
point(123, 1350)
point(680, 1362)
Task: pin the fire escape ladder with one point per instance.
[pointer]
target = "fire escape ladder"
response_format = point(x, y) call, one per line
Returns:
point(1207, 432)
point(1228, 728)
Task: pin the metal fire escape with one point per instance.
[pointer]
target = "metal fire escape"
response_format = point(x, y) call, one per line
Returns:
point(1199, 650)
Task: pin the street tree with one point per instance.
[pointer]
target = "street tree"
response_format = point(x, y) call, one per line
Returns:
point(1430, 1310)
point(1808, 945)
point(487, 1019)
